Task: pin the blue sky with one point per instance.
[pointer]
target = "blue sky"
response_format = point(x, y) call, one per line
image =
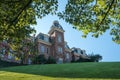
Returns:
point(102, 45)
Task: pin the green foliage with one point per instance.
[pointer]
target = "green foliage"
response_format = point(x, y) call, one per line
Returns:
point(91, 58)
point(88, 16)
point(94, 16)
point(40, 59)
point(8, 64)
point(51, 60)
point(16, 16)
point(95, 57)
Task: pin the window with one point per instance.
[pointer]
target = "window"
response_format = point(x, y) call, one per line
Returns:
point(47, 50)
point(79, 51)
point(42, 49)
point(67, 56)
point(60, 49)
point(41, 36)
point(59, 38)
point(46, 39)
point(75, 50)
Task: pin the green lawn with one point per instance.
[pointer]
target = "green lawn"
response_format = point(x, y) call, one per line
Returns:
point(73, 71)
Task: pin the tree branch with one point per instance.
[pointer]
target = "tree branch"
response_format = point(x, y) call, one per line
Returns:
point(106, 14)
point(17, 16)
point(21, 11)
point(10, 1)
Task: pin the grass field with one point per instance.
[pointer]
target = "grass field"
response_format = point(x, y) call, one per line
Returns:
point(73, 71)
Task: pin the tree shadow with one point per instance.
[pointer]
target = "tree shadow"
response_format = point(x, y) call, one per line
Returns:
point(59, 73)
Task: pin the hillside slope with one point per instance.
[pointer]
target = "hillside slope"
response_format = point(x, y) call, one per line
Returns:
point(73, 71)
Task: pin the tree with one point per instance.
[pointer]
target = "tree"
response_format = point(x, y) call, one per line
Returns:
point(51, 60)
point(16, 16)
point(94, 16)
point(95, 57)
point(40, 59)
point(88, 16)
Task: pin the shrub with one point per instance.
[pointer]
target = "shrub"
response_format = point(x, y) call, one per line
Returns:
point(40, 59)
point(51, 60)
point(95, 57)
point(8, 64)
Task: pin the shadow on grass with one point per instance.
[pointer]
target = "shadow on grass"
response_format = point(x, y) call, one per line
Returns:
point(64, 72)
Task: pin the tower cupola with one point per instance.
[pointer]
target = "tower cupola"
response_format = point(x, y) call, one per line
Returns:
point(56, 26)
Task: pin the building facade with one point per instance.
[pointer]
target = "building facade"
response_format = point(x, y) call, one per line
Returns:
point(49, 45)
point(53, 44)
point(77, 53)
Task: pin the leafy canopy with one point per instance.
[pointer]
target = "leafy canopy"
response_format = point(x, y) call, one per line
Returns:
point(94, 16)
point(16, 16)
point(88, 16)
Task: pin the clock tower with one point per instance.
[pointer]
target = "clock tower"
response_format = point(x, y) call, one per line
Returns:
point(56, 34)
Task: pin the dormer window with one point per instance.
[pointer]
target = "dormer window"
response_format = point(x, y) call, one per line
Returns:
point(79, 51)
point(41, 37)
point(46, 39)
